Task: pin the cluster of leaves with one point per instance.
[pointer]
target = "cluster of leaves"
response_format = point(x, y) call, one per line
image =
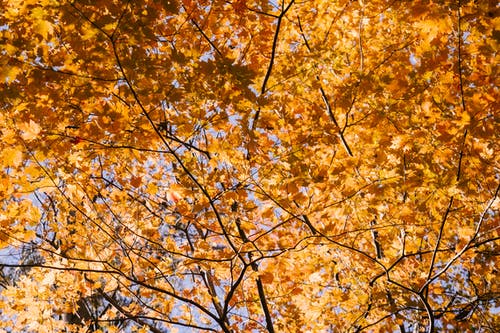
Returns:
point(249, 165)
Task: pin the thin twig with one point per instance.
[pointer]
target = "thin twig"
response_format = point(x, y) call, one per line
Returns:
point(271, 61)
point(461, 155)
point(332, 117)
point(206, 38)
point(360, 41)
point(436, 248)
point(462, 97)
point(326, 101)
point(469, 244)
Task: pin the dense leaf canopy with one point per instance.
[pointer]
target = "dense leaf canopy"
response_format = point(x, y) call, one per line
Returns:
point(249, 166)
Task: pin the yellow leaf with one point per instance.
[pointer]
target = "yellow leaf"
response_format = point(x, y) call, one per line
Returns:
point(28, 235)
point(29, 130)
point(41, 26)
point(464, 119)
point(8, 73)
point(12, 157)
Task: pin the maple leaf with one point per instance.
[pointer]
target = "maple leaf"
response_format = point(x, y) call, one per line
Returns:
point(29, 130)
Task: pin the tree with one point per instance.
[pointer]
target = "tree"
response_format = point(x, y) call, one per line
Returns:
point(249, 166)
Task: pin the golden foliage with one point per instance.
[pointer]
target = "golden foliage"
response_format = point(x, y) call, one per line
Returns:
point(249, 166)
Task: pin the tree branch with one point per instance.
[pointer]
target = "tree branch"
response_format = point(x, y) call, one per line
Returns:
point(462, 97)
point(329, 111)
point(271, 61)
point(436, 248)
point(263, 302)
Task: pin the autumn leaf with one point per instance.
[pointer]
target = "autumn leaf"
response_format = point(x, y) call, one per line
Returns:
point(267, 277)
point(29, 130)
point(136, 181)
point(12, 156)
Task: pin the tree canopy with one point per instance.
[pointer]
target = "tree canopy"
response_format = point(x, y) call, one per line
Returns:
point(249, 166)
